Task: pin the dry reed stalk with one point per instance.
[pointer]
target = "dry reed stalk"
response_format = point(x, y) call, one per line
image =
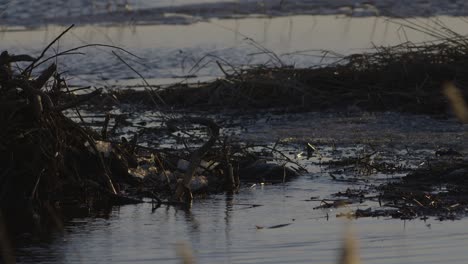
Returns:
point(185, 253)
point(350, 249)
point(5, 246)
point(457, 102)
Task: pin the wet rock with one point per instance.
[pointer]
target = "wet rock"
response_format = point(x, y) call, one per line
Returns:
point(183, 165)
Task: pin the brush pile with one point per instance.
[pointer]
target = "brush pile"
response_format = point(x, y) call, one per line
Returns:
point(50, 161)
point(438, 190)
point(407, 78)
point(47, 159)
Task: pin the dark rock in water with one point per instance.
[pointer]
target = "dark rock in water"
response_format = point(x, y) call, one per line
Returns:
point(261, 171)
point(459, 175)
point(448, 152)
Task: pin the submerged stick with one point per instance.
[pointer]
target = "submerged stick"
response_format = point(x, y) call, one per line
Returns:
point(104, 127)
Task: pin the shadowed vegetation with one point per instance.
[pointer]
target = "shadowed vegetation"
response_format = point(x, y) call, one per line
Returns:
point(407, 77)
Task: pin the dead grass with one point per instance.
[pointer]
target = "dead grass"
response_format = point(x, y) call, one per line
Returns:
point(407, 77)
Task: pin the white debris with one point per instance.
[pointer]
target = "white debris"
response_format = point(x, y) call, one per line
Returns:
point(206, 165)
point(143, 171)
point(104, 147)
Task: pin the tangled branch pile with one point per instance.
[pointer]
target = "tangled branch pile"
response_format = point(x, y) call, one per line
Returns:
point(47, 159)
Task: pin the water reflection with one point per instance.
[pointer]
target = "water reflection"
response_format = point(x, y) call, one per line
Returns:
point(222, 229)
point(227, 217)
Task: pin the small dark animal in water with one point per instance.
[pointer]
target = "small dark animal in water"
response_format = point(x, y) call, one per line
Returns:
point(260, 171)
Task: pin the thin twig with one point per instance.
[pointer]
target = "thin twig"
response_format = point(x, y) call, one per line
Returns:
point(148, 86)
point(31, 66)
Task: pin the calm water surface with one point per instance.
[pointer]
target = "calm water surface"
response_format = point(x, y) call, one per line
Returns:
point(167, 52)
point(222, 229)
